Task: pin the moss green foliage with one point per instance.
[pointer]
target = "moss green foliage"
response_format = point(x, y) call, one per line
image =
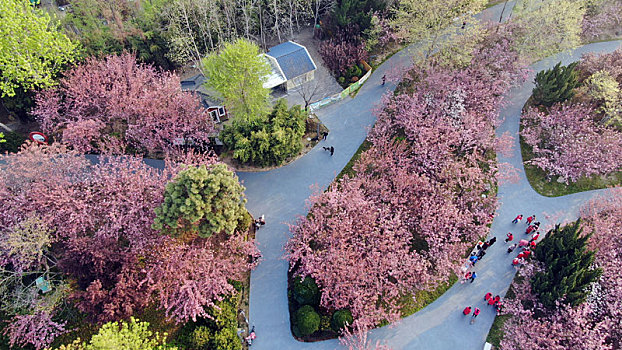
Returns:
point(340, 319)
point(357, 14)
point(568, 267)
point(203, 200)
point(413, 303)
point(237, 72)
point(11, 142)
point(305, 291)
point(495, 335)
point(555, 85)
point(132, 335)
point(307, 320)
point(32, 49)
point(267, 141)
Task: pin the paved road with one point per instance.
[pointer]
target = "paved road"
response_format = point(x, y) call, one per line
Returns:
point(281, 194)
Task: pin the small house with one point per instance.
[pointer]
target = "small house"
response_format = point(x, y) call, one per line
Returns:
point(214, 105)
point(291, 66)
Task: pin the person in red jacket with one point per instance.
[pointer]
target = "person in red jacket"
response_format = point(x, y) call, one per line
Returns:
point(488, 296)
point(517, 219)
point(531, 219)
point(535, 236)
point(467, 310)
point(509, 236)
point(476, 312)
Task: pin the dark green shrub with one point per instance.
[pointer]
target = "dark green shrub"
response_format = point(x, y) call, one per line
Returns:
point(307, 320)
point(244, 222)
point(341, 80)
point(340, 319)
point(325, 322)
point(555, 85)
point(267, 141)
point(306, 292)
point(12, 142)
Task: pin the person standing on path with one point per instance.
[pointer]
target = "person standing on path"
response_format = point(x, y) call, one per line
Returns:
point(466, 311)
point(324, 135)
point(531, 219)
point(511, 248)
point(517, 219)
point(492, 241)
point(475, 313)
point(384, 79)
point(473, 259)
point(332, 150)
point(488, 296)
point(473, 276)
point(481, 254)
point(509, 238)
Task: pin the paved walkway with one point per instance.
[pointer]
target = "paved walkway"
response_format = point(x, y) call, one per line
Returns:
point(281, 194)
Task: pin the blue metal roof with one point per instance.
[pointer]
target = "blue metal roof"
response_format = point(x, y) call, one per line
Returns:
point(293, 59)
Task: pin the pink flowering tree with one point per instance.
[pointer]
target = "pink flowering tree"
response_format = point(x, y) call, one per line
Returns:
point(592, 324)
point(116, 99)
point(420, 196)
point(602, 17)
point(566, 142)
point(99, 222)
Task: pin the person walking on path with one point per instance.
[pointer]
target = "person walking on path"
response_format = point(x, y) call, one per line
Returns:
point(496, 300)
point(384, 79)
point(466, 311)
point(511, 248)
point(509, 236)
point(324, 135)
point(523, 243)
point(466, 277)
point(332, 150)
point(492, 241)
point(530, 229)
point(485, 245)
point(473, 276)
point(488, 296)
point(530, 219)
point(475, 314)
point(473, 259)
point(517, 219)
point(535, 236)
point(481, 254)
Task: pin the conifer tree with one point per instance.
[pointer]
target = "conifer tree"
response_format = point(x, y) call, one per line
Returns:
point(568, 266)
point(555, 85)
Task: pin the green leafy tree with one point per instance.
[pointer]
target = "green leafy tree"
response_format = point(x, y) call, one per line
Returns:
point(32, 50)
point(238, 72)
point(202, 200)
point(267, 141)
point(568, 267)
point(555, 85)
point(132, 335)
point(307, 320)
point(541, 28)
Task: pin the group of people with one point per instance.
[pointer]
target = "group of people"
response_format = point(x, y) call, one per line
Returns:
point(260, 221)
point(527, 247)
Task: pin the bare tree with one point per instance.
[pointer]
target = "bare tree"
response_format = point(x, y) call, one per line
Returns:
point(308, 91)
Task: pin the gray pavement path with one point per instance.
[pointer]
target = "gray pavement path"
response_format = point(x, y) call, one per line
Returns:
point(281, 194)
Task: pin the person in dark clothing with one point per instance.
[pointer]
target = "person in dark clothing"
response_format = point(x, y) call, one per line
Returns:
point(332, 150)
point(481, 254)
point(384, 79)
point(492, 241)
point(324, 135)
point(485, 245)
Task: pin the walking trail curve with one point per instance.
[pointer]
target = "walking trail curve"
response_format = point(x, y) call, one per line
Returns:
point(281, 194)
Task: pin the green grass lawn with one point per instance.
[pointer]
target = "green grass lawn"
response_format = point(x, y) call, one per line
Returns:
point(424, 298)
point(495, 335)
point(537, 179)
point(348, 169)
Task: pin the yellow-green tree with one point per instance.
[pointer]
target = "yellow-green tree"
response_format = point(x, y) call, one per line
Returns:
point(132, 335)
point(32, 49)
point(541, 28)
point(436, 24)
point(238, 73)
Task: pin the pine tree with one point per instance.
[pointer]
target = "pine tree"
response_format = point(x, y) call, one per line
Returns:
point(568, 265)
point(555, 85)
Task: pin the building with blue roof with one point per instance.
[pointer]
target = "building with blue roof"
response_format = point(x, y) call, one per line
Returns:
point(291, 66)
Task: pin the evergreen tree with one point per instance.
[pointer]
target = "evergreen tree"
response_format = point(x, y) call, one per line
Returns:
point(555, 85)
point(568, 267)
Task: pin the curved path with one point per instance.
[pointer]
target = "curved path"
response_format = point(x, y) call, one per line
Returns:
point(280, 194)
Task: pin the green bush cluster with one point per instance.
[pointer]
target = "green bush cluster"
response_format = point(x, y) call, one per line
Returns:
point(555, 85)
point(340, 319)
point(266, 141)
point(307, 320)
point(12, 142)
point(305, 291)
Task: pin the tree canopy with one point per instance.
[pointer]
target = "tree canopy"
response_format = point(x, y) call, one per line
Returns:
point(32, 49)
point(238, 73)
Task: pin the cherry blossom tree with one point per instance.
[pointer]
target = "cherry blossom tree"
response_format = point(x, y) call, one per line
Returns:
point(100, 220)
point(420, 195)
point(566, 142)
point(115, 98)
